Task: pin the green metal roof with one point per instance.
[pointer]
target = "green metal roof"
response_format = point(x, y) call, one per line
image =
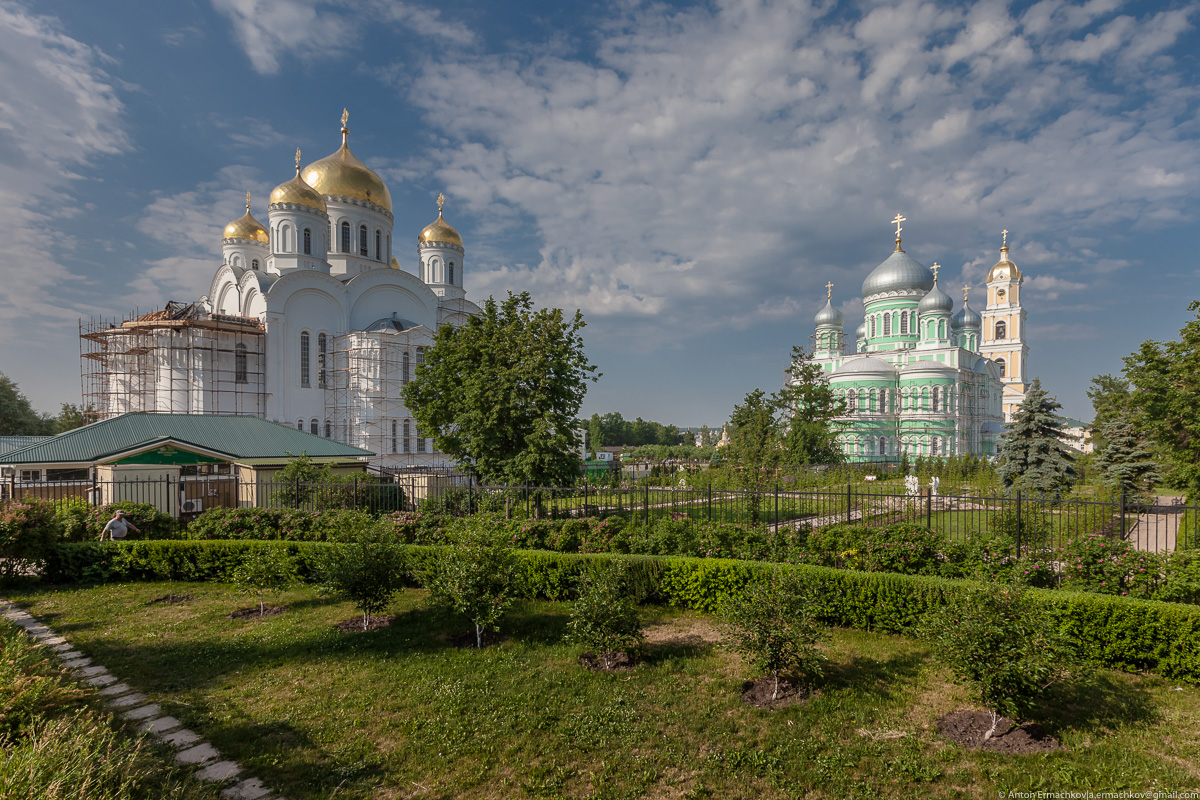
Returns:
point(10, 443)
point(238, 436)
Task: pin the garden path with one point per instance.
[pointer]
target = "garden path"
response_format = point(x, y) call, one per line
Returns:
point(1157, 529)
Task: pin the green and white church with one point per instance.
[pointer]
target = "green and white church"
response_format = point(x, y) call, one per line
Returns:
point(918, 381)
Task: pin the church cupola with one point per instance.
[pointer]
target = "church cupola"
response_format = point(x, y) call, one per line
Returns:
point(829, 338)
point(933, 314)
point(966, 325)
point(299, 226)
point(1003, 339)
point(245, 242)
point(441, 253)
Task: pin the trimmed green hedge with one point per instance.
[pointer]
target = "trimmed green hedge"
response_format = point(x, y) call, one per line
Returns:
point(1117, 632)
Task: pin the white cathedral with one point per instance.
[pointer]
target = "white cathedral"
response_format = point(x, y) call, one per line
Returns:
point(310, 320)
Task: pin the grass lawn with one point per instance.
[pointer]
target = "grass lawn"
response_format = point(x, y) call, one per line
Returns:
point(400, 712)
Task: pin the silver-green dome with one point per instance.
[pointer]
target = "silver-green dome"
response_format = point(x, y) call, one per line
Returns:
point(830, 317)
point(966, 318)
point(860, 332)
point(900, 272)
point(935, 302)
point(867, 364)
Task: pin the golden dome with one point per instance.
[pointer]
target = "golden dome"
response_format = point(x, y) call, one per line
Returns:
point(1004, 269)
point(343, 175)
point(439, 230)
point(297, 192)
point(247, 227)
point(395, 264)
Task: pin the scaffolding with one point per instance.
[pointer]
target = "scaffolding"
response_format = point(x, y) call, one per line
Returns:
point(364, 374)
point(179, 360)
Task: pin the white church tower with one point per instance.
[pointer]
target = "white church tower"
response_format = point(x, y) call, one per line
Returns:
point(441, 252)
point(1004, 329)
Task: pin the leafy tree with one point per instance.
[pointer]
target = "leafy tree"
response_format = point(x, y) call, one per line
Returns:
point(771, 624)
point(1033, 454)
point(1125, 459)
point(813, 408)
point(17, 417)
point(604, 616)
point(71, 417)
point(1165, 377)
point(707, 438)
point(303, 482)
point(1004, 648)
point(754, 434)
point(264, 570)
point(474, 576)
point(367, 570)
point(501, 392)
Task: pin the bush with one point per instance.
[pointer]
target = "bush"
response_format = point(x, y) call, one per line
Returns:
point(330, 525)
point(27, 533)
point(263, 571)
point(475, 575)
point(604, 615)
point(770, 623)
point(368, 571)
point(1003, 647)
point(72, 517)
point(152, 523)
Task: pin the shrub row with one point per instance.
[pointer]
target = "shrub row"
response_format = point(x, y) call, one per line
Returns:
point(1118, 632)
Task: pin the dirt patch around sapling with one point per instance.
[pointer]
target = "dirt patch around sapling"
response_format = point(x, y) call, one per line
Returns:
point(171, 599)
point(355, 624)
point(758, 693)
point(619, 661)
point(967, 728)
point(467, 639)
point(683, 632)
point(253, 612)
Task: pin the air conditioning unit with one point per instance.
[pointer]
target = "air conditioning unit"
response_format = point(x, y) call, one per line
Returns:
point(193, 506)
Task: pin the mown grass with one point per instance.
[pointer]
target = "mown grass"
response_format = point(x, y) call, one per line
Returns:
point(400, 712)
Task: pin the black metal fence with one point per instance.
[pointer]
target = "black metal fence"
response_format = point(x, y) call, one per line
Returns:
point(1029, 521)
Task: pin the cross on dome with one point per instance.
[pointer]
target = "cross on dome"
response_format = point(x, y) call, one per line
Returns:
point(934, 269)
point(247, 202)
point(829, 291)
point(297, 159)
point(965, 290)
point(441, 202)
point(897, 221)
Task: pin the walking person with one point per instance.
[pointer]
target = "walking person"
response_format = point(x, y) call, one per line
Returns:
point(118, 527)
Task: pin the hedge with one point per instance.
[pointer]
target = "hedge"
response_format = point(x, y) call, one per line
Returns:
point(1118, 632)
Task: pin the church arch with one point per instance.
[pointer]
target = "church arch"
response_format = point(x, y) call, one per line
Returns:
point(1001, 330)
point(1000, 365)
point(285, 238)
point(236, 261)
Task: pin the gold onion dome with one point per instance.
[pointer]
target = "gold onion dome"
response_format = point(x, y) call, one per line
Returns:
point(343, 175)
point(247, 227)
point(439, 230)
point(297, 192)
point(1004, 263)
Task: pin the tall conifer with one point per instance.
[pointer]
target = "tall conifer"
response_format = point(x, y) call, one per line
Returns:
point(1033, 454)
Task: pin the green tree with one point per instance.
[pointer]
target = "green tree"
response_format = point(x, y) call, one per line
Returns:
point(501, 393)
point(604, 616)
point(265, 570)
point(1109, 396)
point(71, 417)
point(17, 417)
point(1125, 458)
point(1033, 454)
point(1001, 645)
point(474, 576)
point(771, 624)
point(303, 482)
point(367, 570)
point(812, 409)
point(1165, 377)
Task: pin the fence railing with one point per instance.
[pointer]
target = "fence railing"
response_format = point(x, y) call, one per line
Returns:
point(1030, 522)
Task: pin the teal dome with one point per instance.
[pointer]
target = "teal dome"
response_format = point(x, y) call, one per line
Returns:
point(935, 302)
point(899, 273)
point(830, 317)
point(966, 317)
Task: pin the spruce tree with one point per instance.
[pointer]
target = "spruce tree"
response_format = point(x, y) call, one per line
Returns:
point(1125, 458)
point(1033, 454)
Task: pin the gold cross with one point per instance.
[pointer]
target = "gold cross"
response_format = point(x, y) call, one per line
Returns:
point(297, 159)
point(345, 117)
point(965, 290)
point(898, 220)
point(829, 291)
point(247, 202)
point(1004, 233)
point(936, 266)
point(441, 202)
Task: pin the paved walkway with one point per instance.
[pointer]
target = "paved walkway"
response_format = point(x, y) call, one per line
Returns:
point(135, 707)
point(1157, 529)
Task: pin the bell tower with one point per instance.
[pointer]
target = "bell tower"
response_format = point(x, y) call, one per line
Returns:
point(1004, 330)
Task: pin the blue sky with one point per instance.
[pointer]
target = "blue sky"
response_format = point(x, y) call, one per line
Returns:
point(690, 175)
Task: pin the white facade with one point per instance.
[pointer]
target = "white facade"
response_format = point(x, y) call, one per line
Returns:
point(339, 325)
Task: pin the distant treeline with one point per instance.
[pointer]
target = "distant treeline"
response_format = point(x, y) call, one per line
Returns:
point(613, 430)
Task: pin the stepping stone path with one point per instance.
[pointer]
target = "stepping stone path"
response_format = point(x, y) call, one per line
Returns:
point(136, 707)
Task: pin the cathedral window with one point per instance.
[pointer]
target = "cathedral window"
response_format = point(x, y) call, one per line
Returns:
point(254, 264)
point(1000, 366)
point(1001, 330)
point(240, 372)
point(345, 237)
point(887, 324)
point(903, 322)
point(450, 273)
point(308, 241)
point(394, 450)
point(322, 345)
point(924, 399)
point(883, 442)
point(304, 376)
point(362, 240)
point(299, 424)
point(404, 371)
point(389, 247)
point(873, 402)
point(407, 434)
point(314, 428)
point(936, 399)
point(870, 447)
point(328, 430)
point(420, 441)
point(933, 447)
point(378, 246)
point(942, 329)
point(420, 356)
point(862, 400)
point(285, 237)
point(872, 326)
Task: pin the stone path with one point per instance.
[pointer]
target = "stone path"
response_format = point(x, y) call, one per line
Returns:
point(1156, 530)
point(136, 707)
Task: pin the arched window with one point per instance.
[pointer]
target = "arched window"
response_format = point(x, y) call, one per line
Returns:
point(328, 430)
point(883, 446)
point(862, 400)
point(942, 329)
point(362, 240)
point(924, 398)
point(389, 248)
point(314, 428)
point(874, 401)
point(870, 447)
point(407, 434)
point(404, 371)
point(394, 450)
point(450, 273)
point(420, 441)
point(299, 424)
point(285, 238)
point(1000, 365)
point(1001, 330)
point(345, 237)
point(254, 264)
point(378, 246)
point(322, 344)
point(936, 399)
point(304, 359)
point(851, 405)
point(933, 446)
point(872, 326)
point(308, 241)
point(420, 356)
point(887, 324)
point(903, 322)
point(240, 371)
